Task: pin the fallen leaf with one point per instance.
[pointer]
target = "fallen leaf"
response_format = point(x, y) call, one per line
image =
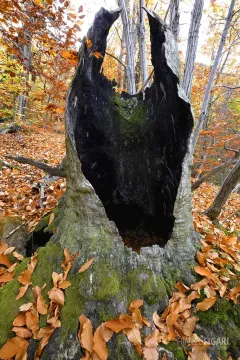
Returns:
point(12, 347)
point(206, 304)
point(202, 271)
point(19, 320)
point(18, 256)
point(24, 277)
point(85, 334)
point(118, 325)
point(86, 265)
point(57, 296)
point(135, 304)
point(22, 332)
point(25, 307)
point(22, 291)
point(99, 345)
point(41, 305)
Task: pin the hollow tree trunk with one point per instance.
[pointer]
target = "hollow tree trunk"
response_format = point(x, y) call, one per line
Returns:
point(110, 142)
point(224, 193)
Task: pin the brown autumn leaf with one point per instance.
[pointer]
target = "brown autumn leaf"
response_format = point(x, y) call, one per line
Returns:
point(18, 256)
point(118, 324)
point(193, 296)
point(22, 291)
point(36, 291)
point(86, 265)
point(32, 263)
point(189, 326)
point(85, 334)
point(135, 304)
point(134, 337)
point(199, 285)
point(6, 277)
point(198, 352)
point(3, 247)
point(97, 55)
point(54, 322)
point(150, 353)
point(164, 357)
point(64, 284)
point(44, 334)
point(12, 347)
point(41, 305)
point(223, 290)
point(88, 43)
point(57, 296)
point(9, 250)
point(25, 307)
point(4, 260)
point(19, 320)
point(22, 332)
point(146, 321)
point(181, 287)
point(106, 332)
point(99, 345)
point(32, 320)
point(206, 304)
point(202, 271)
point(24, 277)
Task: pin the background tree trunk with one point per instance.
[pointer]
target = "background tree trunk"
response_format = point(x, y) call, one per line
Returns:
point(130, 47)
point(223, 194)
point(193, 36)
point(205, 104)
point(142, 43)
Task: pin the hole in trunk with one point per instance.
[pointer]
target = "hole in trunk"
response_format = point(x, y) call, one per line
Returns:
point(132, 147)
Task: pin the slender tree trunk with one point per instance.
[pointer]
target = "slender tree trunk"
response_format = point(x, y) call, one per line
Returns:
point(174, 18)
point(224, 193)
point(142, 43)
point(215, 171)
point(193, 36)
point(205, 104)
point(130, 48)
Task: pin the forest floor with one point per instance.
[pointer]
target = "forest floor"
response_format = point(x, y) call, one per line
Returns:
point(20, 187)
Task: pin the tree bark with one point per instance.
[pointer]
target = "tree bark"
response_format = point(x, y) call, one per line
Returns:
point(130, 47)
point(224, 193)
point(193, 36)
point(205, 104)
point(174, 18)
point(215, 171)
point(142, 43)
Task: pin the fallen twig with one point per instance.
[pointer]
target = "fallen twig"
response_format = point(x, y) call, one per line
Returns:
point(53, 171)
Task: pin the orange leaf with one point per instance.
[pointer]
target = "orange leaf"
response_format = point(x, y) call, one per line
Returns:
point(41, 305)
point(99, 345)
point(25, 307)
point(181, 287)
point(86, 265)
point(88, 43)
point(57, 296)
point(32, 264)
point(106, 332)
point(12, 347)
point(97, 55)
point(206, 304)
point(64, 284)
point(18, 256)
point(4, 260)
point(32, 320)
point(24, 277)
point(19, 320)
point(51, 218)
point(85, 334)
point(9, 250)
point(22, 332)
point(135, 304)
point(150, 353)
point(118, 325)
point(3, 247)
point(200, 285)
point(22, 291)
point(6, 277)
point(189, 326)
point(202, 271)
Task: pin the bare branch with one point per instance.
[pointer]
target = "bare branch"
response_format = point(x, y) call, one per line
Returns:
point(53, 171)
point(228, 87)
point(114, 57)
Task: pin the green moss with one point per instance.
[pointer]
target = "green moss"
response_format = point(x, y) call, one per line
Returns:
point(176, 349)
point(72, 309)
point(143, 282)
point(219, 313)
point(43, 223)
point(121, 350)
point(131, 114)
